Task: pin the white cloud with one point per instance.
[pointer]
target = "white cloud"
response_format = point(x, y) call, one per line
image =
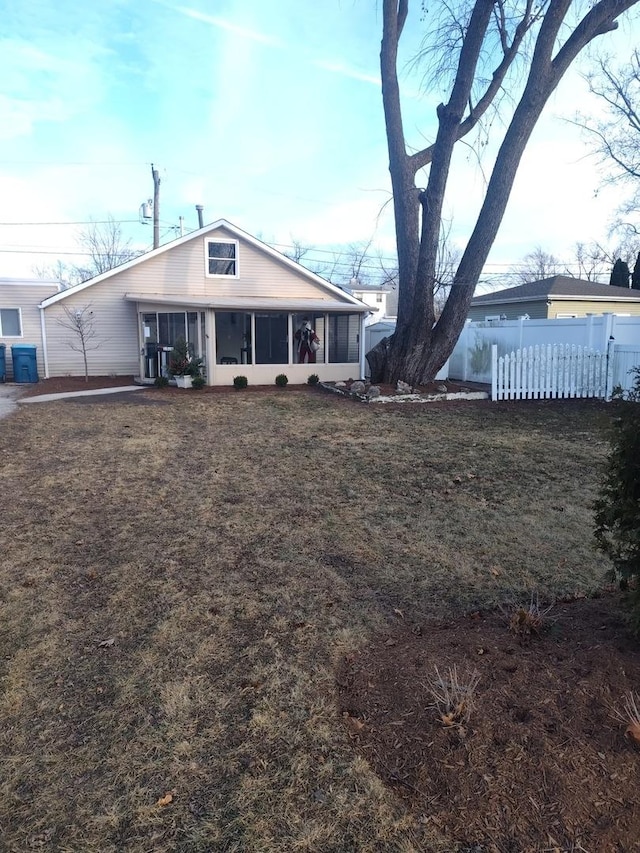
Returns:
point(229, 26)
point(340, 68)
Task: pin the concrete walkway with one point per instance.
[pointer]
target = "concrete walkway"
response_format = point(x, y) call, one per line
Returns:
point(11, 395)
point(47, 398)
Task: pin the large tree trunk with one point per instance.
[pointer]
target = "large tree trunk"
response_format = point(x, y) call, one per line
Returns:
point(420, 345)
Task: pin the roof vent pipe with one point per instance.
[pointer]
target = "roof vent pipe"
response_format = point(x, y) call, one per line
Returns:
point(200, 208)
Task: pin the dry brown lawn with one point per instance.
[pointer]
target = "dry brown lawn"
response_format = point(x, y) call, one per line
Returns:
point(181, 575)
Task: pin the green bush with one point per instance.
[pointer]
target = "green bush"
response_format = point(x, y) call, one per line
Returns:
point(182, 362)
point(161, 381)
point(313, 379)
point(281, 380)
point(240, 382)
point(617, 510)
point(197, 382)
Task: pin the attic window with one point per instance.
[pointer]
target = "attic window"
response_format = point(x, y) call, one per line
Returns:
point(222, 258)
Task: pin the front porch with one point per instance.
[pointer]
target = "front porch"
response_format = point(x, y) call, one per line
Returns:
point(257, 342)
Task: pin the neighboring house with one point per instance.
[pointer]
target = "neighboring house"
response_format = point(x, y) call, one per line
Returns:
point(237, 301)
point(560, 297)
point(20, 319)
point(377, 300)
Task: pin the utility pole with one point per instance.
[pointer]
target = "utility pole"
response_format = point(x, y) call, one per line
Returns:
point(156, 207)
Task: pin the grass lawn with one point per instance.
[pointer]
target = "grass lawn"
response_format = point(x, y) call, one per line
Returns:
point(181, 573)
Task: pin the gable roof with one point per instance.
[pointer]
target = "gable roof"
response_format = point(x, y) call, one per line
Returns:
point(559, 287)
point(194, 235)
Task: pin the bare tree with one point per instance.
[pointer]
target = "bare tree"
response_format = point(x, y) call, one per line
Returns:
point(617, 138)
point(479, 42)
point(80, 322)
point(592, 261)
point(104, 246)
point(535, 266)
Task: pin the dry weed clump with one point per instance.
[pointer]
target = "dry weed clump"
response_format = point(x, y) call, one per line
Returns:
point(526, 621)
point(630, 715)
point(453, 695)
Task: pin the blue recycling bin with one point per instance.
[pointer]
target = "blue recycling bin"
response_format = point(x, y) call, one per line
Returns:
point(3, 363)
point(25, 364)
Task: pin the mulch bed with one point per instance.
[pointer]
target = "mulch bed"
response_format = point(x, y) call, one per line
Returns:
point(62, 384)
point(542, 764)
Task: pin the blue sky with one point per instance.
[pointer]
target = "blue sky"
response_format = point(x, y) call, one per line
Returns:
point(267, 112)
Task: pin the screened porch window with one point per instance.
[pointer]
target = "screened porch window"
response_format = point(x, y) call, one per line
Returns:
point(233, 337)
point(317, 324)
point(272, 338)
point(344, 338)
point(161, 331)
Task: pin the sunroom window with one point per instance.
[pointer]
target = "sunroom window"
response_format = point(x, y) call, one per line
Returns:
point(222, 258)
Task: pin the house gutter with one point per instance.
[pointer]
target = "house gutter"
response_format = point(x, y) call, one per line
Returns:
point(43, 333)
point(362, 345)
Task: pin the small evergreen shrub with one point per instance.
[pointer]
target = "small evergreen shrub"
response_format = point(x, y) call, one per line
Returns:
point(240, 382)
point(197, 382)
point(313, 379)
point(161, 381)
point(617, 510)
point(182, 362)
point(281, 380)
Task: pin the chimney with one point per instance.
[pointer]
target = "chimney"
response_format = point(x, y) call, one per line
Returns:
point(200, 208)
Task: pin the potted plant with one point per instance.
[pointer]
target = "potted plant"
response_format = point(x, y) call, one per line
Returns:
point(183, 366)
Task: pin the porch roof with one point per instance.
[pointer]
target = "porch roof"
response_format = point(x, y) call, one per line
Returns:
point(239, 303)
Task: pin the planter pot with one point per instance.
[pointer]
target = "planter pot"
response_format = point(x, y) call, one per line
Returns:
point(184, 381)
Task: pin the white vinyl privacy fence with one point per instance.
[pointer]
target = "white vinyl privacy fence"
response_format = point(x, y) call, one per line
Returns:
point(585, 347)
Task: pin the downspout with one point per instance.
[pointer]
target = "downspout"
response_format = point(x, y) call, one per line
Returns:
point(43, 333)
point(362, 345)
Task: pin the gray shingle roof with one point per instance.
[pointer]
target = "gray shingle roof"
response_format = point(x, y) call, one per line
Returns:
point(557, 287)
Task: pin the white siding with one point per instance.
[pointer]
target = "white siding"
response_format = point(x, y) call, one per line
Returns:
point(116, 325)
point(178, 271)
point(26, 296)
point(182, 270)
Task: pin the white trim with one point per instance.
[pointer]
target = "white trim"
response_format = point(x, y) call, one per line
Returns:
point(202, 232)
point(19, 310)
point(247, 303)
point(235, 259)
point(552, 297)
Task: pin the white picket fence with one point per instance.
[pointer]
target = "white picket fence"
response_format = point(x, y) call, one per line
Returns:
point(551, 371)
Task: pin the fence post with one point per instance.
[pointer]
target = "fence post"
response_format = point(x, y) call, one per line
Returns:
point(465, 351)
point(494, 371)
point(608, 390)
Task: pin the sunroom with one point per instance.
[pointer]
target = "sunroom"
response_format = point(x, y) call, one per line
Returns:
point(254, 337)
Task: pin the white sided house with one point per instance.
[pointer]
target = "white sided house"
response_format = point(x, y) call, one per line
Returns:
point(20, 319)
point(237, 301)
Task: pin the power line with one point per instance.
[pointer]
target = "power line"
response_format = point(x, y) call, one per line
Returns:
point(88, 222)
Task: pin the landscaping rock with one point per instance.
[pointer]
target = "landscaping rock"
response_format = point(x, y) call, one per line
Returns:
point(357, 387)
point(404, 387)
point(340, 385)
point(443, 388)
point(373, 392)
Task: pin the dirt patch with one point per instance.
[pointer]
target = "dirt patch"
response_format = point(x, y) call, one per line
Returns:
point(542, 763)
